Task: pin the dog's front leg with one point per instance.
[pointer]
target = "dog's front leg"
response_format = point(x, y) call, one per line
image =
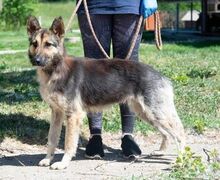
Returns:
point(53, 136)
point(71, 139)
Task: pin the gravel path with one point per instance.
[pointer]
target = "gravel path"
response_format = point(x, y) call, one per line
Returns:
point(19, 161)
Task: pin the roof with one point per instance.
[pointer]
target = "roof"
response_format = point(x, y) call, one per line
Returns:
point(187, 16)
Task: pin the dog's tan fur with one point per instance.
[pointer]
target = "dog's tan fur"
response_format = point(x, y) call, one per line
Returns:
point(57, 77)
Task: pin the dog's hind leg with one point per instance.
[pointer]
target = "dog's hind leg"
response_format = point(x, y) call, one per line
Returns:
point(168, 123)
point(71, 139)
point(162, 116)
point(53, 136)
point(178, 131)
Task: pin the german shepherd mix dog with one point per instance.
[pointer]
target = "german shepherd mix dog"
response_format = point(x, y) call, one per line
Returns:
point(73, 86)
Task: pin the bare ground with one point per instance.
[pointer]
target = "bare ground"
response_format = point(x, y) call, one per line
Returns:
point(19, 160)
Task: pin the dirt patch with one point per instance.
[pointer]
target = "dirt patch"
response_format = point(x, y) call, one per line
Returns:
point(19, 161)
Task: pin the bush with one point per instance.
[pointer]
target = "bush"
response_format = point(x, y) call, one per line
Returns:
point(199, 126)
point(15, 12)
point(187, 166)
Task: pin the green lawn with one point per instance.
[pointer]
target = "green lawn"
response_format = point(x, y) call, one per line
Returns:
point(194, 68)
point(46, 12)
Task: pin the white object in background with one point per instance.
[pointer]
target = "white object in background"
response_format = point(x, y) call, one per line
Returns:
point(0, 5)
point(40, 20)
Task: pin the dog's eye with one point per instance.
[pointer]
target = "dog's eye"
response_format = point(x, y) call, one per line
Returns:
point(35, 44)
point(48, 44)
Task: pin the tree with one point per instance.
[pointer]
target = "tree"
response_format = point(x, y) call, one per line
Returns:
point(15, 12)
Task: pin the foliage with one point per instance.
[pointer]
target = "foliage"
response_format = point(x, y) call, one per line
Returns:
point(15, 12)
point(190, 166)
point(141, 177)
point(184, 6)
point(202, 72)
point(214, 166)
point(183, 79)
point(199, 126)
point(187, 165)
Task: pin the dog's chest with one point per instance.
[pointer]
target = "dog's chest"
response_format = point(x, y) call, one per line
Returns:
point(53, 98)
point(49, 94)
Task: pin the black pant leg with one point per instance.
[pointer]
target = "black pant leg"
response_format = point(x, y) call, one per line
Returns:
point(102, 25)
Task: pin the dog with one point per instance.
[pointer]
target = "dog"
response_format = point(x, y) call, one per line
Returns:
point(73, 86)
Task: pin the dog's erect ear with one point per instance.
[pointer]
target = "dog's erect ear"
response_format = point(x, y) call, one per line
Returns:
point(33, 25)
point(57, 27)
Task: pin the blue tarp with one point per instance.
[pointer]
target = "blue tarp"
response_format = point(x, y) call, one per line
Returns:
point(148, 7)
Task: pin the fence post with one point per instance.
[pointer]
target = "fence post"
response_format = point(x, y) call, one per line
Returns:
point(204, 16)
point(177, 16)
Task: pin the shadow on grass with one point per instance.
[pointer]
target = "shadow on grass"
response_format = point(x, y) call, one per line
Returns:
point(24, 128)
point(18, 87)
point(185, 39)
point(201, 43)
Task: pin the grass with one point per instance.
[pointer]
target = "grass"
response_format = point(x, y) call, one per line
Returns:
point(195, 75)
point(193, 67)
point(46, 12)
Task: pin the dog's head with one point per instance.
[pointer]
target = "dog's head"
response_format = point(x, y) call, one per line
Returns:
point(46, 45)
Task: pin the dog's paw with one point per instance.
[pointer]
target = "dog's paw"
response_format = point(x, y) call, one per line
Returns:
point(59, 165)
point(45, 162)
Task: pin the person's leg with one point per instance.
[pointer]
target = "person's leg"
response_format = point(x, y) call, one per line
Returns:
point(124, 28)
point(95, 122)
point(127, 119)
point(102, 26)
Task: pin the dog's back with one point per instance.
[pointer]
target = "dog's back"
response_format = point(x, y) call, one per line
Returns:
point(108, 81)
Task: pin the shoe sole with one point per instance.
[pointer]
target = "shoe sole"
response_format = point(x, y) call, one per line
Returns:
point(96, 157)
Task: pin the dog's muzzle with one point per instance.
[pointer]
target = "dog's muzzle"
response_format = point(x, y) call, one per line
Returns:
point(39, 60)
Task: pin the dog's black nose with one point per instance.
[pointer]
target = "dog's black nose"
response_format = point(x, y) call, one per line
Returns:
point(38, 60)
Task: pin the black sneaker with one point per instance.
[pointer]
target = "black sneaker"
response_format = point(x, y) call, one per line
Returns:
point(130, 149)
point(94, 148)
